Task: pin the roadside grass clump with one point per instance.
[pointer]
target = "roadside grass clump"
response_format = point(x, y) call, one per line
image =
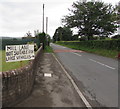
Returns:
point(48, 49)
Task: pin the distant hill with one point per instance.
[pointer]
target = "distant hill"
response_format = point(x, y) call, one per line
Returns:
point(4, 37)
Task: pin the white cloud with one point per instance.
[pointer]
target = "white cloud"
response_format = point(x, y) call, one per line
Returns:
point(20, 16)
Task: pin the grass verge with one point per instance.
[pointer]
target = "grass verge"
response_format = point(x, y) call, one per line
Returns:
point(102, 52)
point(48, 49)
point(10, 65)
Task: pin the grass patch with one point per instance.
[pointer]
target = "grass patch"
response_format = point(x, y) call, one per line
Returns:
point(102, 52)
point(9, 65)
point(48, 49)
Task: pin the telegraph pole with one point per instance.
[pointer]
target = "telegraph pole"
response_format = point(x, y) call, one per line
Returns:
point(43, 18)
point(48, 41)
point(44, 37)
point(46, 25)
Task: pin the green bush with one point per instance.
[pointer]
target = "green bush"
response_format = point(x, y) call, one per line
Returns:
point(116, 36)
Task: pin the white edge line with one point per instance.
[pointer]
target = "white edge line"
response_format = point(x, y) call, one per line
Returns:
point(102, 64)
point(75, 86)
point(77, 54)
point(109, 67)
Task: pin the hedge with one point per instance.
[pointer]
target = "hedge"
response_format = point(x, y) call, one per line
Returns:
point(101, 44)
point(17, 42)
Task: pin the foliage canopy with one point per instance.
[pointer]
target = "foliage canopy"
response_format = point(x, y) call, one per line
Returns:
point(91, 18)
point(62, 34)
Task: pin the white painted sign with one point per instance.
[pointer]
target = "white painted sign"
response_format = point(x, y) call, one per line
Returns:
point(19, 52)
point(47, 74)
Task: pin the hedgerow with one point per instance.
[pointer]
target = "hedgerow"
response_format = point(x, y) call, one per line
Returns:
point(101, 44)
point(17, 42)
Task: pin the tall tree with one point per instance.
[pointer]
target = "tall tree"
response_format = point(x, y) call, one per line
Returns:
point(58, 34)
point(118, 12)
point(66, 34)
point(62, 34)
point(91, 18)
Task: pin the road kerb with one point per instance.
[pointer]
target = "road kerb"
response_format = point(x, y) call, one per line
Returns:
point(87, 104)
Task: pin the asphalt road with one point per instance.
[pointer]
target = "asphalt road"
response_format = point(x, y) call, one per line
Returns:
point(96, 76)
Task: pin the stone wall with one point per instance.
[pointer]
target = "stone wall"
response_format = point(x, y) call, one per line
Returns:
point(18, 84)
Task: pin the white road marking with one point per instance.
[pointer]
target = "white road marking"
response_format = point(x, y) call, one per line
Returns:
point(87, 104)
point(77, 54)
point(102, 64)
point(63, 47)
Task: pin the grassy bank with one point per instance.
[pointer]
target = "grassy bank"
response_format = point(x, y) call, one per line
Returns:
point(48, 49)
point(99, 51)
point(9, 65)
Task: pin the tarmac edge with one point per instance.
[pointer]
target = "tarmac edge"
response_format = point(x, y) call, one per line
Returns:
point(87, 104)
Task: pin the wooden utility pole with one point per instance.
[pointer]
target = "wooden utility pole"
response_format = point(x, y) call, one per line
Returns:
point(46, 25)
point(43, 17)
point(44, 38)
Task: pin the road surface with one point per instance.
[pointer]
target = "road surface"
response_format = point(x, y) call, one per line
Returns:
point(96, 76)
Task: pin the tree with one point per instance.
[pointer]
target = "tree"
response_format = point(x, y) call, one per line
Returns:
point(67, 34)
point(75, 37)
point(116, 36)
point(58, 34)
point(62, 34)
point(118, 12)
point(91, 18)
point(42, 39)
point(29, 35)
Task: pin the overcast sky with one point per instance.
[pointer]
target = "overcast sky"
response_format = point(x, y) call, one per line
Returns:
point(20, 16)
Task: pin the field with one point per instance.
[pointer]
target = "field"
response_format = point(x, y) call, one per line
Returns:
point(9, 65)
